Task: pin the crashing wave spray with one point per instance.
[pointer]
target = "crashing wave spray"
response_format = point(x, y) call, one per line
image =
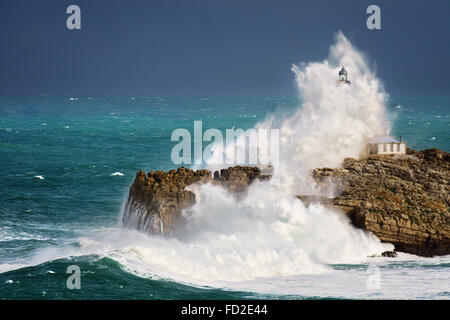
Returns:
point(334, 121)
point(270, 233)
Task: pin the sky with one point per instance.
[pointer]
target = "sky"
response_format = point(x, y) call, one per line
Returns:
point(213, 47)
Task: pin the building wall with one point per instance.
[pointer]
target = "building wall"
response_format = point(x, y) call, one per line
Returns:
point(391, 148)
point(396, 148)
point(380, 149)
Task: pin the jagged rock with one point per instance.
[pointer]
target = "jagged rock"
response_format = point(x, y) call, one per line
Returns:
point(402, 200)
point(156, 200)
point(390, 254)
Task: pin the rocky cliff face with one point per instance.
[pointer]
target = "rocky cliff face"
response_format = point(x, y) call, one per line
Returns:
point(404, 201)
point(156, 200)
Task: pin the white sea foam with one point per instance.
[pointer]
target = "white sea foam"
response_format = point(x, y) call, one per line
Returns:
point(39, 177)
point(201, 264)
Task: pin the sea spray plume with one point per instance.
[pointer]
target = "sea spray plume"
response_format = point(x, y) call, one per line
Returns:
point(335, 120)
point(269, 232)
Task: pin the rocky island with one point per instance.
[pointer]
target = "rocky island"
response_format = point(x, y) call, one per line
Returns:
point(402, 200)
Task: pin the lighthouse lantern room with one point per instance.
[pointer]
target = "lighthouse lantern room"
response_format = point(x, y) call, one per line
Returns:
point(343, 76)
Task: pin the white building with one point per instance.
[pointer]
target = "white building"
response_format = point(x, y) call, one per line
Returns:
point(384, 146)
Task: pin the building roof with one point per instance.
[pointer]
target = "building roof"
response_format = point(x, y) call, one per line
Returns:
point(384, 139)
point(343, 71)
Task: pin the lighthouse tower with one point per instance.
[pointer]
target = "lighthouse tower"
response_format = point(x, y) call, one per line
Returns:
point(343, 76)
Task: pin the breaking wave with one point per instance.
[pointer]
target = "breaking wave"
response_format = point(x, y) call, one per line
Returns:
point(270, 233)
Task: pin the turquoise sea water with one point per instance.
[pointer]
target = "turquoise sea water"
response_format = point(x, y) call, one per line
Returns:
point(67, 164)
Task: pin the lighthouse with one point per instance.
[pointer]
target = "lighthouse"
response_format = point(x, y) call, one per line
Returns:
point(343, 76)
